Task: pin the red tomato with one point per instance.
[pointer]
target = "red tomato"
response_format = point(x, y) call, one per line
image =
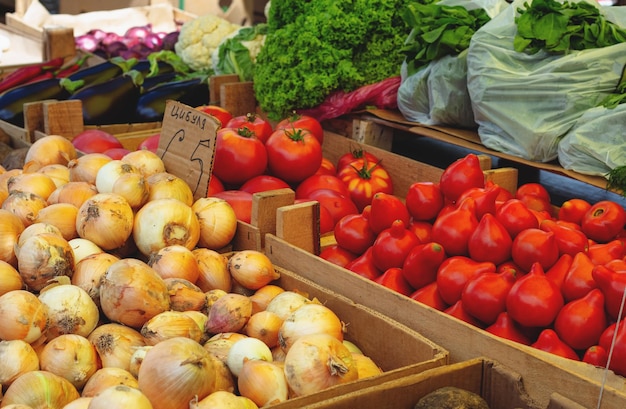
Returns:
point(309, 123)
point(460, 175)
point(222, 115)
point(604, 221)
point(596, 355)
point(241, 202)
point(559, 270)
point(364, 266)
point(533, 189)
point(457, 310)
point(151, 143)
point(385, 209)
point(603, 253)
point(618, 358)
point(394, 280)
point(578, 280)
point(238, 156)
point(327, 167)
point(215, 186)
point(580, 323)
point(573, 210)
point(337, 255)
point(95, 141)
point(422, 230)
point(515, 217)
point(506, 328)
point(549, 341)
point(293, 155)
point(538, 204)
point(485, 199)
point(535, 246)
point(327, 224)
point(455, 272)
point(490, 241)
point(353, 233)
point(570, 241)
point(116, 153)
point(356, 154)
point(392, 246)
point(424, 200)
point(320, 181)
point(261, 127)
point(534, 300)
point(337, 204)
point(364, 180)
point(613, 285)
point(429, 295)
point(454, 228)
point(484, 295)
point(421, 264)
point(263, 183)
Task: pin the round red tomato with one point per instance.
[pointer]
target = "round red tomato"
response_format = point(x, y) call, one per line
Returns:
point(604, 221)
point(318, 181)
point(535, 246)
point(95, 141)
point(261, 127)
point(337, 255)
point(307, 122)
point(533, 189)
point(293, 155)
point(327, 167)
point(222, 115)
point(239, 156)
point(263, 183)
point(151, 143)
point(573, 210)
point(353, 233)
point(215, 186)
point(356, 154)
point(364, 180)
point(240, 201)
point(337, 204)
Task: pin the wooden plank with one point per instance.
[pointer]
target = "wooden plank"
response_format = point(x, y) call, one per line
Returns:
point(264, 207)
point(247, 237)
point(59, 42)
point(238, 98)
point(373, 134)
point(63, 118)
point(299, 225)
point(215, 86)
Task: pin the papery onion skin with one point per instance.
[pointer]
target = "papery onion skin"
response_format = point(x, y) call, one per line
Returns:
point(22, 316)
point(317, 362)
point(51, 149)
point(174, 372)
point(10, 279)
point(80, 403)
point(105, 377)
point(165, 185)
point(134, 188)
point(213, 266)
point(309, 319)
point(120, 396)
point(219, 344)
point(61, 215)
point(60, 174)
point(85, 168)
point(165, 222)
point(263, 382)
point(40, 390)
point(252, 269)
point(170, 324)
point(73, 193)
point(24, 205)
point(43, 257)
point(286, 302)
point(83, 248)
point(175, 261)
point(218, 222)
point(264, 325)
point(106, 219)
point(10, 229)
point(131, 293)
point(229, 313)
point(36, 183)
point(115, 344)
point(146, 161)
point(88, 273)
point(366, 366)
point(110, 172)
point(244, 350)
point(224, 399)
point(185, 296)
point(70, 310)
point(71, 356)
point(17, 357)
point(262, 297)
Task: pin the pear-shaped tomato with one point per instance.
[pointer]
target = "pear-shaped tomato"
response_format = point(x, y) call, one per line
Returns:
point(454, 228)
point(460, 175)
point(455, 272)
point(392, 246)
point(580, 323)
point(490, 241)
point(549, 341)
point(535, 245)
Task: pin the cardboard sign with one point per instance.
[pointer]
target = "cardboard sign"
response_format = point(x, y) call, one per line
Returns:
point(187, 145)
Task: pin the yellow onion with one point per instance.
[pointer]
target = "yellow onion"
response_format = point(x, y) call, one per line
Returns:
point(105, 377)
point(35, 229)
point(218, 222)
point(317, 362)
point(43, 257)
point(285, 303)
point(247, 349)
point(83, 248)
point(252, 269)
point(60, 174)
point(137, 358)
point(223, 399)
point(4, 178)
point(264, 325)
point(110, 172)
point(278, 354)
point(175, 261)
point(70, 310)
point(85, 168)
point(10, 229)
point(131, 293)
point(213, 268)
point(20, 406)
point(229, 313)
point(224, 379)
point(24, 205)
point(352, 347)
point(106, 219)
point(165, 222)
point(10, 279)
point(40, 390)
point(73, 193)
point(262, 297)
point(212, 296)
point(133, 187)
point(71, 356)
point(120, 396)
point(174, 372)
point(185, 296)
point(365, 366)
point(51, 149)
point(17, 357)
point(146, 161)
point(61, 215)
point(311, 318)
point(263, 382)
point(35, 183)
point(22, 316)
point(164, 185)
point(89, 271)
point(115, 344)
point(170, 324)
point(80, 403)
point(219, 344)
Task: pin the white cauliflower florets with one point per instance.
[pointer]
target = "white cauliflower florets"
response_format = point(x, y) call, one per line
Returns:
point(199, 37)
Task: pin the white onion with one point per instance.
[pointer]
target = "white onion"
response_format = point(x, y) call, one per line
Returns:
point(110, 172)
point(146, 161)
point(218, 222)
point(246, 349)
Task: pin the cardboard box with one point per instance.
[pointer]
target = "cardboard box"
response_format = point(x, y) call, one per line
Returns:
point(397, 349)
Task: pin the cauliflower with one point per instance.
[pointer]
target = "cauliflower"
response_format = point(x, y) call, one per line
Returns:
point(199, 37)
point(237, 53)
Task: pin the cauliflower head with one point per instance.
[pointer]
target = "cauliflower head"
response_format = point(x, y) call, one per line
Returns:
point(198, 38)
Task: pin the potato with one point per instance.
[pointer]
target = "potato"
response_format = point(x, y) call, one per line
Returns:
point(450, 397)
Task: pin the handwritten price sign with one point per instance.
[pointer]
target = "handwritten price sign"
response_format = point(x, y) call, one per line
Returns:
point(187, 145)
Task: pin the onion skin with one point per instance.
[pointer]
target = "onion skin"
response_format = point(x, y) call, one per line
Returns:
point(70, 310)
point(51, 149)
point(22, 316)
point(131, 293)
point(70, 356)
point(218, 222)
point(40, 390)
point(175, 261)
point(105, 377)
point(43, 257)
point(85, 168)
point(224, 399)
point(10, 229)
point(252, 269)
point(24, 205)
point(213, 266)
point(106, 219)
point(120, 396)
point(229, 313)
point(115, 344)
point(17, 357)
point(10, 279)
point(88, 273)
point(170, 324)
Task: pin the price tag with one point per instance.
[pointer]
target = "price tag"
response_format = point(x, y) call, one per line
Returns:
point(187, 145)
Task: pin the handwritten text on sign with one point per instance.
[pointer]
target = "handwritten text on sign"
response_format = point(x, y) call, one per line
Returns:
point(187, 145)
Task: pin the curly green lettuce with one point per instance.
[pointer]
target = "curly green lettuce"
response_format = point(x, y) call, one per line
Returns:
point(314, 48)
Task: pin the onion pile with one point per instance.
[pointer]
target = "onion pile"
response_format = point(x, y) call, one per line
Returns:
point(104, 302)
